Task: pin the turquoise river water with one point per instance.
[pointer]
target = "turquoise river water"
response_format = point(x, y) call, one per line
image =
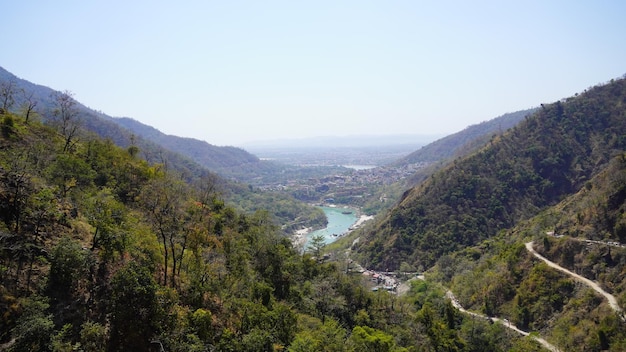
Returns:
point(339, 221)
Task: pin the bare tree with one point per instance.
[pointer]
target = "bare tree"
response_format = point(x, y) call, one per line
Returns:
point(29, 106)
point(66, 117)
point(7, 90)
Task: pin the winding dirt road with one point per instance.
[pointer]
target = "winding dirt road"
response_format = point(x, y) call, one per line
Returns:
point(612, 301)
point(504, 322)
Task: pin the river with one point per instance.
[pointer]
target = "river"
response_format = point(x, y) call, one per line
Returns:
point(338, 223)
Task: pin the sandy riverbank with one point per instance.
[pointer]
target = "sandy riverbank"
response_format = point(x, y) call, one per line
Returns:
point(299, 237)
point(361, 220)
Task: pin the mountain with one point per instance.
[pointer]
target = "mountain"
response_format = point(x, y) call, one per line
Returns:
point(98, 123)
point(186, 155)
point(219, 159)
point(548, 156)
point(102, 251)
point(467, 139)
point(438, 153)
point(583, 234)
point(155, 147)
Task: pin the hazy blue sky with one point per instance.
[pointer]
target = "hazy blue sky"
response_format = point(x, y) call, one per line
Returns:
point(229, 72)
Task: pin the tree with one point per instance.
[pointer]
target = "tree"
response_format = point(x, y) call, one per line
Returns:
point(108, 217)
point(16, 186)
point(29, 106)
point(66, 270)
point(164, 199)
point(364, 338)
point(34, 327)
point(7, 90)
point(329, 336)
point(69, 171)
point(326, 299)
point(134, 309)
point(66, 118)
point(316, 246)
point(93, 337)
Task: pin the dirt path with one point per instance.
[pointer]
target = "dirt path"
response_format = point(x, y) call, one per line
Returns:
point(504, 322)
point(592, 284)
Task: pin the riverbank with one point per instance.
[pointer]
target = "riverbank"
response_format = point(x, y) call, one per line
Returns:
point(362, 219)
point(301, 236)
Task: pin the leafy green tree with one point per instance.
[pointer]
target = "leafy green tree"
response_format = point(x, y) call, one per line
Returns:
point(202, 323)
point(34, 327)
point(68, 283)
point(325, 298)
point(164, 200)
point(316, 246)
point(69, 171)
point(134, 310)
point(108, 217)
point(93, 337)
point(304, 342)
point(61, 341)
point(364, 338)
point(67, 269)
point(329, 336)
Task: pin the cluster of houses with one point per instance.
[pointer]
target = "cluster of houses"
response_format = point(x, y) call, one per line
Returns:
point(382, 281)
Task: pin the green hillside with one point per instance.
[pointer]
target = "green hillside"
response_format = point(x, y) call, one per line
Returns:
point(220, 159)
point(499, 277)
point(102, 251)
point(547, 157)
point(106, 248)
point(190, 158)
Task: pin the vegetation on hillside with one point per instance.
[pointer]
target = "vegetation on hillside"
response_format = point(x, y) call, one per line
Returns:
point(39, 103)
point(102, 251)
point(467, 139)
point(549, 156)
point(499, 277)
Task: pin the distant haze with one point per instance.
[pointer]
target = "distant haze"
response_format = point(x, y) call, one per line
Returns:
point(343, 141)
point(353, 151)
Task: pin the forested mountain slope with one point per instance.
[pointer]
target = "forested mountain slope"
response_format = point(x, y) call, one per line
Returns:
point(187, 155)
point(221, 159)
point(43, 98)
point(102, 251)
point(536, 164)
point(582, 233)
point(44, 103)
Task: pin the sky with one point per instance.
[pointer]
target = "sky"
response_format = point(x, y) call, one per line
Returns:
point(234, 72)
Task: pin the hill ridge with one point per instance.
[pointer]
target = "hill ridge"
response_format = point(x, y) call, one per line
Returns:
point(551, 154)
